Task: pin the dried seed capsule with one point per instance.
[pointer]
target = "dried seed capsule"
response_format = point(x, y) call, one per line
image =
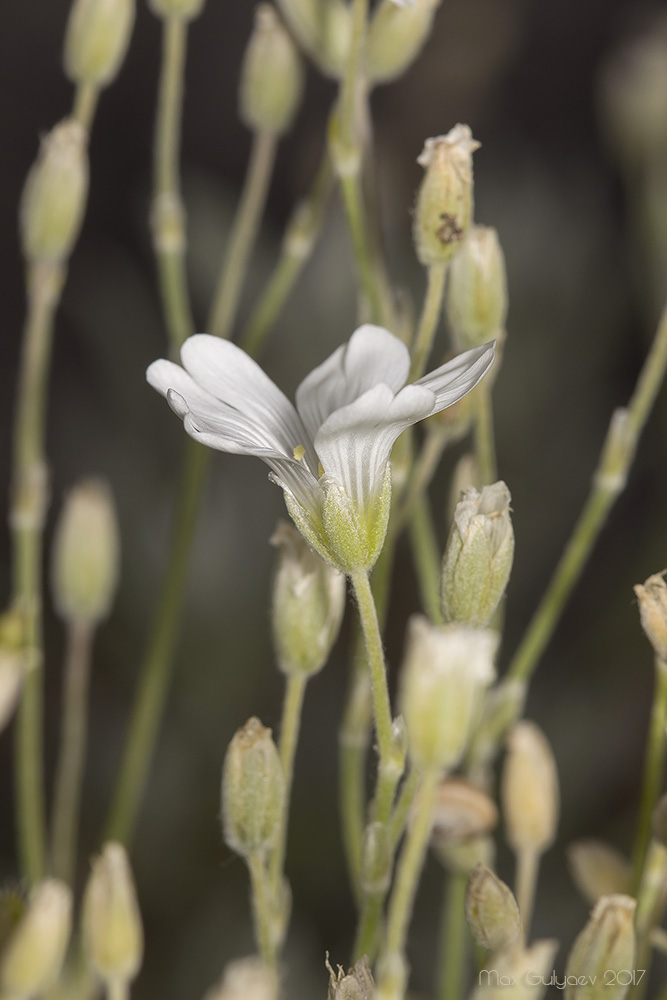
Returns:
point(652, 597)
point(271, 75)
point(253, 790)
point(492, 911)
point(112, 929)
point(356, 985)
point(97, 37)
point(34, 955)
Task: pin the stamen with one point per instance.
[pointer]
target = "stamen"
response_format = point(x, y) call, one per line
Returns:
point(299, 452)
point(320, 469)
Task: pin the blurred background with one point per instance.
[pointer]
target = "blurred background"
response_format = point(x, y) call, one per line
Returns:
point(579, 220)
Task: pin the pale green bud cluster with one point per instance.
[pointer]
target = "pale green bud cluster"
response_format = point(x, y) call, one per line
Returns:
point(34, 954)
point(446, 670)
point(476, 299)
point(396, 36)
point(54, 195)
point(652, 598)
point(184, 10)
point(598, 869)
point(97, 37)
point(113, 934)
point(323, 29)
point(478, 557)
point(86, 554)
point(529, 790)
point(357, 984)
point(606, 946)
point(245, 979)
point(15, 661)
point(271, 75)
point(308, 604)
point(444, 208)
point(253, 790)
point(491, 911)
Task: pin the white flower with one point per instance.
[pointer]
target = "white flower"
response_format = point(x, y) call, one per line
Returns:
point(331, 454)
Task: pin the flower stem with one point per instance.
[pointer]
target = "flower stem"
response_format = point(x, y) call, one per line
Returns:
point(375, 653)
point(421, 474)
point(69, 770)
point(427, 562)
point(527, 867)
point(653, 770)
point(455, 940)
point(354, 738)
point(168, 214)
point(117, 989)
point(28, 509)
point(429, 320)
point(592, 518)
point(158, 659)
point(289, 735)
point(85, 104)
point(484, 437)
point(399, 816)
point(261, 905)
point(244, 231)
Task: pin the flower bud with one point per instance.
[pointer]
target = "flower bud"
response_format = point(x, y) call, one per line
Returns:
point(605, 948)
point(466, 474)
point(652, 597)
point(322, 28)
point(112, 930)
point(184, 10)
point(521, 973)
point(34, 955)
point(97, 37)
point(478, 557)
point(445, 673)
point(86, 554)
point(253, 790)
point(529, 790)
point(15, 661)
point(598, 869)
point(54, 195)
point(492, 911)
point(246, 979)
point(462, 811)
point(396, 36)
point(461, 856)
point(271, 75)
point(308, 604)
point(476, 298)
point(445, 200)
point(356, 985)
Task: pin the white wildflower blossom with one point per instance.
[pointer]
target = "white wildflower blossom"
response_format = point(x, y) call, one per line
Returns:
point(330, 454)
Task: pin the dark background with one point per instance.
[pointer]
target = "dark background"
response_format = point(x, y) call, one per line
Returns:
point(525, 76)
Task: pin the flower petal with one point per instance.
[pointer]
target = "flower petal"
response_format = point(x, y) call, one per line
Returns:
point(453, 380)
point(228, 373)
point(166, 376)
point(355, 442)
point(373, 356)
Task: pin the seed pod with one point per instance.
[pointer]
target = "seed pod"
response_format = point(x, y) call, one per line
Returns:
point(356, 985)
point(652, 597)
point(606, 946)
point(271, 75)
point(34, 955)
point(530, 790)
point(96, 40)
point(112, 929)
point(396, 36)
point(476, 299)
point(598, 869)
point(492, 911)
point(253, 790)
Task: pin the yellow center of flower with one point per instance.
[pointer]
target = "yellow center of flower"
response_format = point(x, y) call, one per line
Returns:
point(299, 452)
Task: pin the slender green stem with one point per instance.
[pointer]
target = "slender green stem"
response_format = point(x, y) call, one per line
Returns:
point(375, 653)
point(261, 904)
point(399, 816)
point(421, 474)
point(168, 214)
point(651, 899)
point(85, 104)
point(118, 989)
point(302, 231)
point(28, 509)
point(289, 735)
point(527, 867)
point(427, 560)
point(158, 660)
point(455, 939)
point(69, 770)
point(428, 322)
point(484, 437)
point(653, 771)
point(244, 231)
point(354, 211)
point(354, 739)
point(410, 865)
point(353, 72)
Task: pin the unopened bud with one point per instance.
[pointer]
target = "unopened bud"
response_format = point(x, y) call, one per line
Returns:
point(271, 75)
point(184, 10)
point(86, 554)
point(445, 200)
point(598, 869)
point(34, 955)
point(461, 856)
point(15, 661)
point(478, 557)
point(97, 37)
point(529, 790)
point(112, 930)
point(308, 604)
point(652, 597)
point(492, 911)
point(466, 474)
point(446, 671)
point(356, 985)
point(396, 36)
point(323, 28)
point(462, 811)
point(524, 970)
point(54, 196)
point(245, 979)
point(477, 289)
point(604, 953)
point(253, 790)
